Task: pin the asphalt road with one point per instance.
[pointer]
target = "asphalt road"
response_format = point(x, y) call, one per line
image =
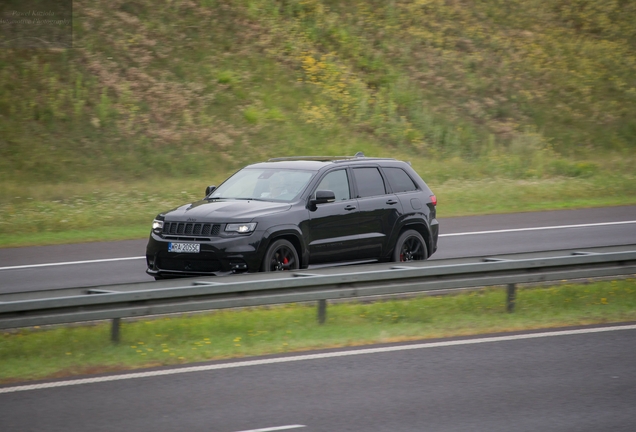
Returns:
point(91, 264)
point(568, 382)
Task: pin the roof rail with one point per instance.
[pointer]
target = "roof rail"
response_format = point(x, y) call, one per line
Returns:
point(336, 159)
point(316, 158)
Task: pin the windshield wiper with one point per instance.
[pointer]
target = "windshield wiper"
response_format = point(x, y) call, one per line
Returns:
point(235, 198)
point(250, 199)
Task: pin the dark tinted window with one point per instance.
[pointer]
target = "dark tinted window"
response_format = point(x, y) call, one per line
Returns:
point(399, 180)
point(369, 181)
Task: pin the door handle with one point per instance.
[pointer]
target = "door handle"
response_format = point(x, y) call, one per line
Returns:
point(350, 207)
point(391, 201)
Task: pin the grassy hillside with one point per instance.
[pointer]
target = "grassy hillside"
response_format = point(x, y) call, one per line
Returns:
point(162, 93)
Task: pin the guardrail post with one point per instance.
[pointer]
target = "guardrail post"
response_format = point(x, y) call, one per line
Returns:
point(510, 302)
point(322, 311)
point(114, 330)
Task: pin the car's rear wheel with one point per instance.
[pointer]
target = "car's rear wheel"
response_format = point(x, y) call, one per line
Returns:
point(410, 246)
point(281, 256)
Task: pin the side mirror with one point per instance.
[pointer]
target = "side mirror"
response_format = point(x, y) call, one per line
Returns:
point(209, 190)
point(322, 197)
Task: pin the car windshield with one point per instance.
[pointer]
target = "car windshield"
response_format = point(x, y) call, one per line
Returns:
point(268, 184)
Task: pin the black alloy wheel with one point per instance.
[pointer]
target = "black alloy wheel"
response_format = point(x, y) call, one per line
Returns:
point(410, 246)
point(281, 256)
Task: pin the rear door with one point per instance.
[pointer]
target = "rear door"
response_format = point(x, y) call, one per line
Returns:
point(379, 211)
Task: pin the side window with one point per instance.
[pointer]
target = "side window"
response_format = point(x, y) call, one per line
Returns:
point(338, 182)
point(399, 180)
point(369, 181)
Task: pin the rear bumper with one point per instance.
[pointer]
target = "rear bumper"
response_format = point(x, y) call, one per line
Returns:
point(434, 236)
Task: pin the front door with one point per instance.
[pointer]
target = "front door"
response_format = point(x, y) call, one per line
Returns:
point(334, 229)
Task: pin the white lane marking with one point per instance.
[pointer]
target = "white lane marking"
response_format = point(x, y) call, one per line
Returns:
point(538, 228)
point(71, 263)
point(277, 428)
point(205, 368)
point(441, 235)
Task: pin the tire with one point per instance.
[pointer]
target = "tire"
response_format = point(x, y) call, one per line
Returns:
point(410, 246)
point(280, 256)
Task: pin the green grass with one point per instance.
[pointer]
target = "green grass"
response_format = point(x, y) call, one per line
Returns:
point(35, 353)
point(75, 213)
point(501, 107)
point(459, 198)
point(58, 214)
point(241, 80)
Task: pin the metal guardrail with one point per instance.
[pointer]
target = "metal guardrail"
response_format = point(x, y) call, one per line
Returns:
point(182, 295)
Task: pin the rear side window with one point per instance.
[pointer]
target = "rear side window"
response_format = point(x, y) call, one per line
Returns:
point(369, 181)
point(399, 180)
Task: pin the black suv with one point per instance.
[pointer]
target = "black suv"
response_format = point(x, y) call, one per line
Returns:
point(289, 213)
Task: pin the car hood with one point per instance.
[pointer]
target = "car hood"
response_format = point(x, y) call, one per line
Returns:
point(225, 210)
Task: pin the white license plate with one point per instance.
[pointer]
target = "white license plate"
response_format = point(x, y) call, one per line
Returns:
point(184, 247)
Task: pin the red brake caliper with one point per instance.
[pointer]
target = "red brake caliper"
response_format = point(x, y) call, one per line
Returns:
point(285, 260)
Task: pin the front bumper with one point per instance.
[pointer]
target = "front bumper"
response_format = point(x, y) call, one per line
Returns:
point(217, 256)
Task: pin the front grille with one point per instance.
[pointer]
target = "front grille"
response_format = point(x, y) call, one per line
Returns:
point(191, 229)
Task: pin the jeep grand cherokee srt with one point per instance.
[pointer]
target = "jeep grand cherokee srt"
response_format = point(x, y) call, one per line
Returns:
point(289, 213)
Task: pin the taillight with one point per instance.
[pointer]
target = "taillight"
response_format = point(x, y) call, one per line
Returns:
point(434, 200)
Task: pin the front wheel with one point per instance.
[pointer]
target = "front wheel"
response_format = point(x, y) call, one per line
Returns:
point(410, 246)
point(281, 256)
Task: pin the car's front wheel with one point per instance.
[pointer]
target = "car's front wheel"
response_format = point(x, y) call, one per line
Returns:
point(410, 246)
point(281, 255)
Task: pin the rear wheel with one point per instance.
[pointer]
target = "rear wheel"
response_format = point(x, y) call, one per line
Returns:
point(410, 246)
point(281, 256)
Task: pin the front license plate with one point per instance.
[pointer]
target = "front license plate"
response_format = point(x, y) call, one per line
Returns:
point(184, 247)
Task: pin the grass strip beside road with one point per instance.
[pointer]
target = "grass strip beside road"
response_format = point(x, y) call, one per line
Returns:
point(59, 214)
point(31, 354)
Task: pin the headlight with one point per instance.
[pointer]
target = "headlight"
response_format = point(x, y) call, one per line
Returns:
point(157, 226)
point(242, 228)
